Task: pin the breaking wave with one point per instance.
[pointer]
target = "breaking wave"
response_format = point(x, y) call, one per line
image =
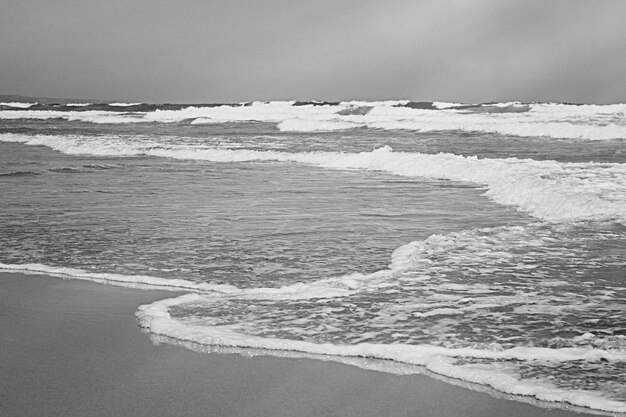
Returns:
point(589, 122)
point(549, 190)
point(18, 104)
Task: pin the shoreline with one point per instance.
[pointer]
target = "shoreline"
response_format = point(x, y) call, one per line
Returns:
point(73, 347)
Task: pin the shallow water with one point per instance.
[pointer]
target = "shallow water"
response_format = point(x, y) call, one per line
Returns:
point(360, 242)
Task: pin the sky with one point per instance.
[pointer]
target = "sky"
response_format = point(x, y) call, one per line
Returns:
point(234, 50)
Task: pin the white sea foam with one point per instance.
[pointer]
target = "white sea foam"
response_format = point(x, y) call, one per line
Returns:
point(133, 281)
point(549, 190)
point(78, 104)
point(437, 359)
point(124, 104)
point(413, 354)
point(445, 105)
point(274, 112)
point(557, 121)
point(17, 104)
point(590, 122)
point(92, 116)
point(325, 288)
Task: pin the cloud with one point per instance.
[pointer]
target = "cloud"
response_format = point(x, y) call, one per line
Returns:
point(238, 50)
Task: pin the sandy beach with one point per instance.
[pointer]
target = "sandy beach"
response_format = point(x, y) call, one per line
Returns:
point(73, 348)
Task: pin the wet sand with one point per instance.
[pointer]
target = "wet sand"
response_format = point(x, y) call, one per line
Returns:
point(73, 348)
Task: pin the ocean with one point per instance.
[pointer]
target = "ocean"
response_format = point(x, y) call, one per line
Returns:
point(484, 243)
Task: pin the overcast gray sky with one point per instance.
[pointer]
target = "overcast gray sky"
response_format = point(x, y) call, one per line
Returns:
point(235, 50)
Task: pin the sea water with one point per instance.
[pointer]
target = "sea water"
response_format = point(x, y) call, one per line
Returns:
point(484, 243)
